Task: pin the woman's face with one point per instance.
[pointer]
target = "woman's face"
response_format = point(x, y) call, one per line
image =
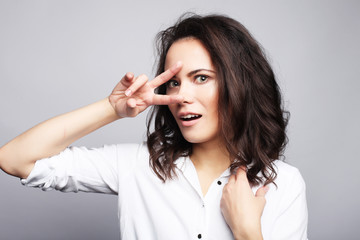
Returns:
point(197, 115)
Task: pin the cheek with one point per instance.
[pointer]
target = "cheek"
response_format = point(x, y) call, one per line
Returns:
point(172, 108)
point(211, 97)
point(213, 107)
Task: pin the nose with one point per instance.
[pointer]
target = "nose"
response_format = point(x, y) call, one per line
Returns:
point(187, 91)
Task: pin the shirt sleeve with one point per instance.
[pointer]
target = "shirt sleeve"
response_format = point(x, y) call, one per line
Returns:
point(292, 218)
point(77, 169)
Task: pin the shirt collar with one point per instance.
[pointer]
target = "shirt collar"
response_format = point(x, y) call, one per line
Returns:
point(182, 164)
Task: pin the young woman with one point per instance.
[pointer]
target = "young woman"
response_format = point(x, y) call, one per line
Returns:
point(210, 168)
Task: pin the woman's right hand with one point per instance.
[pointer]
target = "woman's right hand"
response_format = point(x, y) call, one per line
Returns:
point(132, 95)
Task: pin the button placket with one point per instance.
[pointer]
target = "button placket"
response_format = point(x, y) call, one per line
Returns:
point(201, 225)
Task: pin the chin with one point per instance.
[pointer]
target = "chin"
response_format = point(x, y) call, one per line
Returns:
point(195, 139)
point(192, 139)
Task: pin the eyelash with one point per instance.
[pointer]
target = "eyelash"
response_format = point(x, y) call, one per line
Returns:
point(203, 79)
point(170, 83)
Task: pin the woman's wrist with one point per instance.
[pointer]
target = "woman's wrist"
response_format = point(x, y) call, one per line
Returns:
point(248, 233)
point(252, 236)
point(113, 116)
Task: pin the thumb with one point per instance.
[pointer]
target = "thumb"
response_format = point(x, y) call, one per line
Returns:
point(262, 191)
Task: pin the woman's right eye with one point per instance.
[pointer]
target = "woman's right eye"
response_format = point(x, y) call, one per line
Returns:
point(172, 84)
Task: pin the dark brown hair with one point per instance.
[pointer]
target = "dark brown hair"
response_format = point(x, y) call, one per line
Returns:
point(252, 121)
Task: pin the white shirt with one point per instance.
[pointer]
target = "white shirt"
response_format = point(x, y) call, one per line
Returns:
point(152, 210)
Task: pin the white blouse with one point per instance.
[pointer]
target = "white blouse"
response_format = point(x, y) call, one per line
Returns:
point(152, 210)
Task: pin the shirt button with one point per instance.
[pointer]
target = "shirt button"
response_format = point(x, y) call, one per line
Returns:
point(199, 236)
point(219, 182)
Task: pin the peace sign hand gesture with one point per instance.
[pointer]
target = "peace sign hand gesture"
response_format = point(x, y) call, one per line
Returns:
point(132, 95)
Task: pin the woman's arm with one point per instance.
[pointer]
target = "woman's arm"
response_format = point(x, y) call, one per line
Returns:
point(52, 136)
point(130, 97)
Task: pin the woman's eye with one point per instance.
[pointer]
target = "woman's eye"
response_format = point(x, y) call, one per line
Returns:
point(201, 78)
point(172, 84)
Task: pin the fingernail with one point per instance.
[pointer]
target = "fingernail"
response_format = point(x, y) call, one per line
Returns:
point(266, 188)
point(129, 75)
point(128, 92)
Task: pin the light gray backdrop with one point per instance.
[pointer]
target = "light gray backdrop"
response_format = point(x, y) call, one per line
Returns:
point(56, 56)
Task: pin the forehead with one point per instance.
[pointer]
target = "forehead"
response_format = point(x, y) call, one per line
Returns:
point(191, 52)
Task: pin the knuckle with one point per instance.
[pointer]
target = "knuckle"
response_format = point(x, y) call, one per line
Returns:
point(227, 189)
point(262, 201)
point(223, 199)
point(143, 76)
point(222, 203)
point(242, 180)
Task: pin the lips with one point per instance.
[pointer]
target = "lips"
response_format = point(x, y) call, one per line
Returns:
point(189, 119)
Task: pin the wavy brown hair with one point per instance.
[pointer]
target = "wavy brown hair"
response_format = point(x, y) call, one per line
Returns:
point(252, 121)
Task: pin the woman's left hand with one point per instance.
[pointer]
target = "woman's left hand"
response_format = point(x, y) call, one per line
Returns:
point(242, 209)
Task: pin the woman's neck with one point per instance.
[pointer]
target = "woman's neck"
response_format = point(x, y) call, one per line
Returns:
point(212, 155)
point(210, 161)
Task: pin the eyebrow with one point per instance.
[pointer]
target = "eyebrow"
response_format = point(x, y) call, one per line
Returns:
point(199, 70)
point(196, 71)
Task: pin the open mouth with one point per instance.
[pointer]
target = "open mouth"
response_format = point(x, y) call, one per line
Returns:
point(190, 117)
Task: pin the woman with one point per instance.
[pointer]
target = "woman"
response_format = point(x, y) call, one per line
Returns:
point(211, 160)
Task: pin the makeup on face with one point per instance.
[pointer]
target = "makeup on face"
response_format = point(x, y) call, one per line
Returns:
point(197, 115)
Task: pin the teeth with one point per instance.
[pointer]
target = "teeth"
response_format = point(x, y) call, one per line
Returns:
point(189, 116)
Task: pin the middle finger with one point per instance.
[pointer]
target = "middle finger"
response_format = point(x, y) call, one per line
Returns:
point(139, 81)
point(166, 76)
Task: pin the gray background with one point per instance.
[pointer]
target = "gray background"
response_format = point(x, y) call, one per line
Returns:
point(56, 56)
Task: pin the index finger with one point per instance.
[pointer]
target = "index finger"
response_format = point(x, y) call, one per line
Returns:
point(166, 76)
point(241, 173)
point(232, 179)
point(166, 99)
point(241, 178)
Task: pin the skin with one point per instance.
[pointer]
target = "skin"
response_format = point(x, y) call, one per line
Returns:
point(240, 207)
point(54, 135)
point(197, 83)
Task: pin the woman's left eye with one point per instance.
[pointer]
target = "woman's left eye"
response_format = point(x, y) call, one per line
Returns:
point(201, 78)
